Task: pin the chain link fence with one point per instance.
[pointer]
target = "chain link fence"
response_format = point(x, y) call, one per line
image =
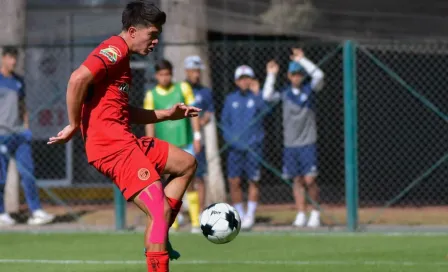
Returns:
point(402, 128)
point(403, 118)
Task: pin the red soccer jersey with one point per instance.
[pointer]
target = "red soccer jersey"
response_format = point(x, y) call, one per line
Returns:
point(105, 116)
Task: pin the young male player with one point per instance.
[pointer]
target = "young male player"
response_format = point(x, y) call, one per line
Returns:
point(185, 134)
point(299, 129)
point(97, 103)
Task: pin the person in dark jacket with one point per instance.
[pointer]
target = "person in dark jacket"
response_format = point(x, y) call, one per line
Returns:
point(242, 122)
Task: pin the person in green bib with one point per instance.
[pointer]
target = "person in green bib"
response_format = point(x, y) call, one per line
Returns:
point(185, 133)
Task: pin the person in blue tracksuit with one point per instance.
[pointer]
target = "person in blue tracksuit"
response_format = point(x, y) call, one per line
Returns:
point(203, 99)
point(242, 125)
point(15, 140)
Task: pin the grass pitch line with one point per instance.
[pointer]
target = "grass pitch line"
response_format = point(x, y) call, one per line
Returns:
point(205, 262)
point(254, 233)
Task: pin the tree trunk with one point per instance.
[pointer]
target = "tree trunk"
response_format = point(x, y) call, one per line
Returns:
point(185, 34)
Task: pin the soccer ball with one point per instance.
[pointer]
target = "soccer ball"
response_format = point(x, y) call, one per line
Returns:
point(220, 223)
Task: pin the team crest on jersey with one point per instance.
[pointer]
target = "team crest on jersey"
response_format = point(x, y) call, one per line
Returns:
point(303, 97)
point(112, 53)
point(143, 174)
point(124, 87)
point(250, 103)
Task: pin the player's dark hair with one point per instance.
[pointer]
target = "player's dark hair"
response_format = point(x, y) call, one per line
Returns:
point(163, 65)
point(142, 13)
point(10, 50)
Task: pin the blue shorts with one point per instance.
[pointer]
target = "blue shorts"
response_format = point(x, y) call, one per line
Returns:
point(17, 146)
point(300, 161)
point(189, 149)
point(244, 163)
point(201, 171)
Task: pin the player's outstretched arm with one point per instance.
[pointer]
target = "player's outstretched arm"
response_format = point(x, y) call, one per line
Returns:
point(268, 93)
point(317, 75)
point(178, 111)
point(79, 81)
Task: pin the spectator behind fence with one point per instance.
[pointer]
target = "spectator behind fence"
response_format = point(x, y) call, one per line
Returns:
point(203, 99)
point(15, 140)
point(299, 129)
point(181, 133)
point(242, 124)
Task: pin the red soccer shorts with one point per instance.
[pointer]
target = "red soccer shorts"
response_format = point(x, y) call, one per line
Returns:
point(135, 168)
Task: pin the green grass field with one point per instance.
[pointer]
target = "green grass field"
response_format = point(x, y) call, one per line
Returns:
point(285, 252)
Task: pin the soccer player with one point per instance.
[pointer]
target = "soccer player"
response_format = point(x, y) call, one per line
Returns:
point(97, 104)
point(242, 121)
point(185, 134)
point(193, 66)
point(299, 129)
point(15, 140)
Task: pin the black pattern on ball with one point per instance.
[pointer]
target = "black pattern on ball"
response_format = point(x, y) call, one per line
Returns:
point(233, 223)
point(207, 230)
point(211, 206)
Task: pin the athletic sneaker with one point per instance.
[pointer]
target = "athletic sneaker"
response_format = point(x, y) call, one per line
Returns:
point(173, 254)
point(300, 220)
point(40, 217)
point(6, 220)
point(248, 222)
point(314, 221)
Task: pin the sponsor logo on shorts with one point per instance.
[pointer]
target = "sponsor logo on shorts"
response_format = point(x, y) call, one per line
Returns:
point(112, 53)
point(143, 174)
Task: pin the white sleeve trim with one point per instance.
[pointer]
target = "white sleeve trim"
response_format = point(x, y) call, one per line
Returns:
point(269, 94)
point(317, 76)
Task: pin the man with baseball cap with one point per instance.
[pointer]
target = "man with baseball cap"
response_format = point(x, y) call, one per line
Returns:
point(242, 123)
point(299, 129)
point(193, 66)
point(15, 140)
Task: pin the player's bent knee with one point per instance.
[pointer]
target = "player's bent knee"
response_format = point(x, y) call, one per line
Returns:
point(154, 199)
point(188, 165)
point(191, 165)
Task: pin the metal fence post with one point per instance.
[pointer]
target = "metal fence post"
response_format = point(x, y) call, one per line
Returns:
point(350, 135)
point(120, 209)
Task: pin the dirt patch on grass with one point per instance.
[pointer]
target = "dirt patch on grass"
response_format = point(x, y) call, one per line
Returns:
point(270, 215)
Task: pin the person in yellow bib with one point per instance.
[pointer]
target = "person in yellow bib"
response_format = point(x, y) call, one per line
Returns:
point(185, 133)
